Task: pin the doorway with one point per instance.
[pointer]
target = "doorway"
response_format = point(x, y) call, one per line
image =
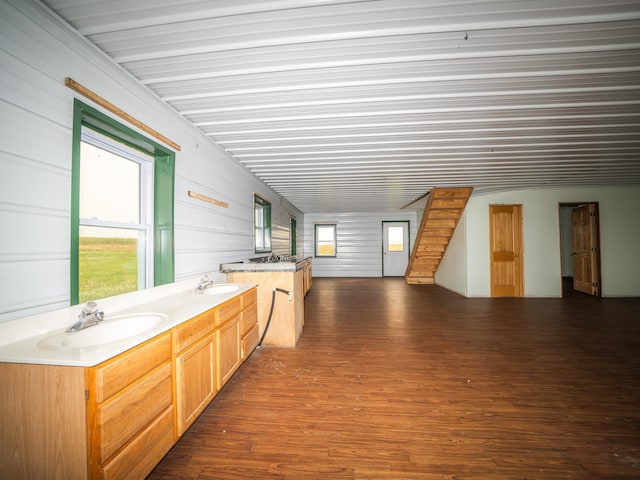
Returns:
point(580, 248)
point(395, 248)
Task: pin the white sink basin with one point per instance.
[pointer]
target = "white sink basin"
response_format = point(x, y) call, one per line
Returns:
point(111, 329)
point(220, 289)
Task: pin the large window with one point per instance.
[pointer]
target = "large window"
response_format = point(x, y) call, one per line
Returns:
point(325, 240)
point(122, 209)
point(262, 224)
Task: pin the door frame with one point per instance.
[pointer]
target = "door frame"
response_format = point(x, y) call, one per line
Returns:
point(408, 249)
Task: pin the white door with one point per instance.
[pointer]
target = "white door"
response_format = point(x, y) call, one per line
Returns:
point(395, 248)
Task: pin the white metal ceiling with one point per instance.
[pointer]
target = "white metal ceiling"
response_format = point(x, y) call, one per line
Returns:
point(365, 105)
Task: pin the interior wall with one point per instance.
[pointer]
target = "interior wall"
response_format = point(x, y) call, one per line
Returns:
point(452, 271)
point(36, 109)
point(359, 242)
point(619, 233)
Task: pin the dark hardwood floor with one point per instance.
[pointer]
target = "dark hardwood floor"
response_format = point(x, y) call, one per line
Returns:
point(396, 381)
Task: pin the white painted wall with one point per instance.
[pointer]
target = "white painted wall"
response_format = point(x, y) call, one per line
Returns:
point(619, 234)
point(359, 237)
point(452, 271)
point(36, 108)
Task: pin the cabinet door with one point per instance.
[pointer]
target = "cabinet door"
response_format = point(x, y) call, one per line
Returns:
point(228, 354)
point(195, 381)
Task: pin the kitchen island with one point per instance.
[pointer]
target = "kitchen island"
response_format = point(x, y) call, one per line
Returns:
point(274, 274)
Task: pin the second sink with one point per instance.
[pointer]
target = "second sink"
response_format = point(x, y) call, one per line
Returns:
point(220, 289)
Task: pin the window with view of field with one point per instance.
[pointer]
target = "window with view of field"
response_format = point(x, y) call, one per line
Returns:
point(115, 217)
point(325, 239)
point(122, 204)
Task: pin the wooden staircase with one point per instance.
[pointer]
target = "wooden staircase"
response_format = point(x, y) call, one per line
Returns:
point(441, 214)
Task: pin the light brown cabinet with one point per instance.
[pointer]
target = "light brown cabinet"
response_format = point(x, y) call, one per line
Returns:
point(228, 344)
point(249, 329)
point(118, 419)
point(195, 381)
point(227, 321)
point(129, 400)
point(307, 275)
point(195, 364)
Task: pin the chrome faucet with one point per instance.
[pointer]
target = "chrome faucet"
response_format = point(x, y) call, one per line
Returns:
point(89, 316)
point(205, 282)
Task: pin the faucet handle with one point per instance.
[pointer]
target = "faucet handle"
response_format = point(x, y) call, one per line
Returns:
point(89, 308)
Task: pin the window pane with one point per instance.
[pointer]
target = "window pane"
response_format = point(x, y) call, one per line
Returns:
point(262, 223)
point(259, 239)
point(325, 240)
point(325, 248)
point(109, 261)
point(325, 234)
point(259, 216)
point(109, 186)
point(396, 239)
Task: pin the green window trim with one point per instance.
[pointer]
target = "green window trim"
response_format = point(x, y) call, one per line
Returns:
point(163, 188)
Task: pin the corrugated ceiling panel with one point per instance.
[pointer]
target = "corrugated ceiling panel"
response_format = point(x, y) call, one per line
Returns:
point(365, 105)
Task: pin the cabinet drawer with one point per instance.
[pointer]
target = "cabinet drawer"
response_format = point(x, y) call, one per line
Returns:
point(115, 374)
point(138, 458)
point(249, 318)
point(227, 311)
point(248, 298)
point(193, 330)
point(250, 341)
point(122, 417)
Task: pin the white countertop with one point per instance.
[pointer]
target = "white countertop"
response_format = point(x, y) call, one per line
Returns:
point(180, 301)
point(280, 266)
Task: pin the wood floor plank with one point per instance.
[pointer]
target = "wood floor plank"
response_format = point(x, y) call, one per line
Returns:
point(397, 381)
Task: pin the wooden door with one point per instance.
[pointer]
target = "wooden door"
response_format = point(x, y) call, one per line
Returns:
point(506, 250)
point(586, 249)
